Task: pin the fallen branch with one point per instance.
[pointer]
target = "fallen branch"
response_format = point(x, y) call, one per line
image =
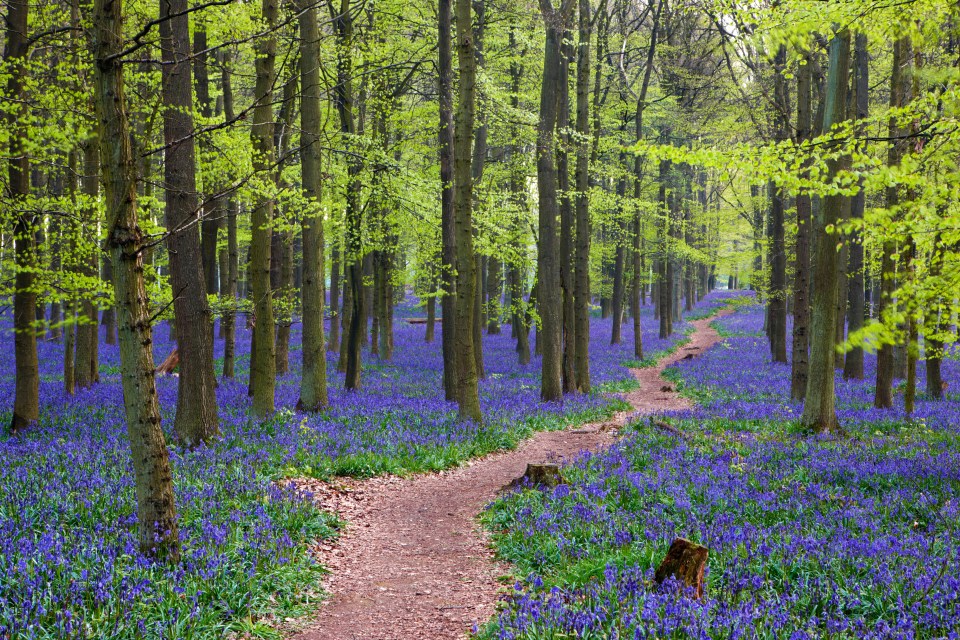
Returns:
point(669, 428)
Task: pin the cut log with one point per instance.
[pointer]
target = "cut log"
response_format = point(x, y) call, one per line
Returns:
point(168, 366)
point(686, 561)
point(544, 475)
point(421, 320)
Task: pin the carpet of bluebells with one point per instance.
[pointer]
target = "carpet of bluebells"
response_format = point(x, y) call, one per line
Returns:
point(808, 537)
point(69, 564)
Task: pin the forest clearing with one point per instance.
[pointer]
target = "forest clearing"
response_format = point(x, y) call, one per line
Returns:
point(595, 319)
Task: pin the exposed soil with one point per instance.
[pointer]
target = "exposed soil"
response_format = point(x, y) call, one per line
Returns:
point(413, 562)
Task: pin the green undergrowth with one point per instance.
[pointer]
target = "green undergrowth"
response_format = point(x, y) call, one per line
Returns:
point(651, 360)
point(424, 459)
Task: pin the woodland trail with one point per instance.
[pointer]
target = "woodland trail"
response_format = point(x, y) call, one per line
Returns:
point(413, 562)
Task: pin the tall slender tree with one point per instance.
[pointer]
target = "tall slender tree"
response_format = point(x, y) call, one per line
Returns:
point(196, 420)
point(313, 380)
point(468, 396)
point(156, 509)
point(263, 348)
point(26, 403)
point(819, 409)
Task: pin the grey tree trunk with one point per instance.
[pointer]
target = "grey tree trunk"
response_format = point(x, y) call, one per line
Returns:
point(26, 403)
point(263, 349)
point(353, 250)
point(448, 267)
point(196, 421)
point(566, 215)
point(585, 151)
point(800, 359)
point(902, 56)
point(313, 378)
point(229, 319)
point(212, 212)
point(156, 509)
point(468, 396)
point(819, 409)
point(87, 358)
point(853, 364)
point(548, 277)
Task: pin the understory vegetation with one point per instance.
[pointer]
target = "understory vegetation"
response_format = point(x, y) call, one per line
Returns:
point(70, 566)
point(851, 537)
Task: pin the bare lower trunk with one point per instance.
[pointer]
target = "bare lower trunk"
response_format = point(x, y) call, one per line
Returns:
point(26, 404)
point(448, 233)
point(468, 396)
point(156, 510)
point(819, 409)
point(581, 283)
point(313, 378)
point(196, 420)
point(262, 353)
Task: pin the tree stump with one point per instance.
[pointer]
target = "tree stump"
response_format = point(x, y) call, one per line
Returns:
point(545, 475)
point(168, 366)
point(686, 561)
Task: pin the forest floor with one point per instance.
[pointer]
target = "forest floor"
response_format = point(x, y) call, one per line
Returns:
point(413, 561)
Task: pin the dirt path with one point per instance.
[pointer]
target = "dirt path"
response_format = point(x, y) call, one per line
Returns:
point(413, 562)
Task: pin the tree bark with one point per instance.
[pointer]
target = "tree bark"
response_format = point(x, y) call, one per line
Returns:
point(548, 277)
point(313, 378)
point(566, 215)
point(353, 249)
point(883, 396)
point(800, 359)
point(87, 358)
point(156, 509)
point(819, 409)
point(585, 151)
point(26, 403)
point(853, 363)
point(448, 268)
point(212, 212)
point(229, 319)
point(468, 396)
point(196, 420)
point(263, 349)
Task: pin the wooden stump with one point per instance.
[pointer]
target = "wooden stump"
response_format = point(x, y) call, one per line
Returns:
point(686, 561)
point(544, 475)
point(168, 366)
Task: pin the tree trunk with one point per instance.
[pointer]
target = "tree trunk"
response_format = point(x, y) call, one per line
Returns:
point(494, 295)
point(619, 263)
point(581, 282)
point(883, 397)
point(819, 409)
point(196, 420)
point(156, 510)
point(87, 369)
point(664, 277)
point(263, 350)
point(26, 404)
point(448, 267)
point(431, 313)
point(800, 358)
point(334, 346)
point(313, 377)
point(108, 318)
point(853, 364)
point(468, 396)
point(353, 249)
point(566, 215)
point(212, 212)
point(548, 277)
point(229, 319)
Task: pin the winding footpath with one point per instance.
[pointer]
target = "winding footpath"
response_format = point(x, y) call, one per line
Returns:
point(413, 562)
